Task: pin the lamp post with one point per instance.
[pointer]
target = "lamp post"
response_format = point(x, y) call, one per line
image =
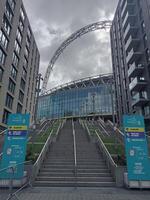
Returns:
point(38, 90)
point(93, 101)
point(112, 103)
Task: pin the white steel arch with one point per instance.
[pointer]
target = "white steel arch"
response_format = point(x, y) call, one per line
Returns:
point(89, 28)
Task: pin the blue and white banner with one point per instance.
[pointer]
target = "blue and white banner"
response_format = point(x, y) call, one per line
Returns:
point(138, 162)
point(15, 143)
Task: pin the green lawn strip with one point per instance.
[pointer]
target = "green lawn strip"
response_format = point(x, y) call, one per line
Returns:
point(55, 128)
point(33, 150)
point(115, 149)
point(108, 140)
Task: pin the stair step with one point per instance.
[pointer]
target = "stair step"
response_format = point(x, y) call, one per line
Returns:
point(67, 174)
point(85, 179)
point(73, 184)
point(58, 166)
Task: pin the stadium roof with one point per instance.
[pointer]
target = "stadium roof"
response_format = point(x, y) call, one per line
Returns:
point(83, 83)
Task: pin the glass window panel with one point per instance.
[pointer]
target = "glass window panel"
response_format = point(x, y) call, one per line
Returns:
point(2, 56)
point(3, 39)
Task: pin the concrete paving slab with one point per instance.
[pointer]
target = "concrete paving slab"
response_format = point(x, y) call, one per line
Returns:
point(83, 194)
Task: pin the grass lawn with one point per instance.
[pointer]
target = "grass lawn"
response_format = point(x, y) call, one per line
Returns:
point(34, 149)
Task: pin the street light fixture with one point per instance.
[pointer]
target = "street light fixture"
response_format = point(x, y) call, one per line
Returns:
point(39, 78)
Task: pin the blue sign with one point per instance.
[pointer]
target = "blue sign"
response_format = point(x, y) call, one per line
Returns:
point(14, 149)
point(138, 163)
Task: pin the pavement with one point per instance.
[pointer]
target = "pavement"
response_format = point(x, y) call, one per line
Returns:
point(79, 194)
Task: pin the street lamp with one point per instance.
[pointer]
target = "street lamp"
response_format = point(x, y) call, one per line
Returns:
point(93, 101)
point(38, 90)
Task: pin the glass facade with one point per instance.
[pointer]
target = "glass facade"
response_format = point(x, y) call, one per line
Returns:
point(83, 101)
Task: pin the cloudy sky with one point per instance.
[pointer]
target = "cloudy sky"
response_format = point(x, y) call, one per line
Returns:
point(53, 21)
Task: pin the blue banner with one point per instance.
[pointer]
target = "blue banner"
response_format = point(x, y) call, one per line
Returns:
point(138, 162)
point(14, 149)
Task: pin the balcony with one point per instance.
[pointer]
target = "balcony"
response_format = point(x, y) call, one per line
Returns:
point(135, 70)
point(138, 84)
point(140, 99)
point(130, 17)
point(122, 3)
point(130, 30)
point(131, 43)
point(128, 6)
point(133, 56)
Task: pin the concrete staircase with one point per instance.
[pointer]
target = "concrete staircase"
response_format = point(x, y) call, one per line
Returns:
point(91, 167)
point(58, 168)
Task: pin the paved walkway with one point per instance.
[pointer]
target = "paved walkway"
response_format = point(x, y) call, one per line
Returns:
point(81, 194)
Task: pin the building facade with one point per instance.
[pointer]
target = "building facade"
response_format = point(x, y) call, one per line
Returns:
point(130, 45)
point(19, 61)
point(91, 96)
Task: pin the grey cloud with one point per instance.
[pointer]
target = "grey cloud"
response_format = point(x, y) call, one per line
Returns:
point(58, 19)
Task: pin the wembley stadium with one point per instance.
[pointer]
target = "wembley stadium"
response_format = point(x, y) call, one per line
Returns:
point(91, 96)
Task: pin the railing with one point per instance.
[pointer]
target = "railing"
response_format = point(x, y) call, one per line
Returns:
point(75, 149)
point(1, 141)
point(119, 134)
point(103, 128)
point(42, 128)
point(41, 157)
point(43, 153)
point(12, 172)
point(109, 161)
point(63, 123)
point(3, 132)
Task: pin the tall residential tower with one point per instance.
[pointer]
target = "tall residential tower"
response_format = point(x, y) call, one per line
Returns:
point(19, 61)
point(130, 43)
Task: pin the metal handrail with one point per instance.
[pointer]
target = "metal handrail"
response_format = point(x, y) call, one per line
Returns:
point(40, 155)
point(11, 193)
point(75, 149)
point(103, 129)
point(15, 165)
point(106, 151)
point(2, 133)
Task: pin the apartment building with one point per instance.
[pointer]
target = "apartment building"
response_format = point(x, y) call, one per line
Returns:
point(130, 45)
point(19, 61)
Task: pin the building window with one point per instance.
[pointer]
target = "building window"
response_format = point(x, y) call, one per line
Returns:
point(11, 86)
point(26, 52)
point(19, 108)
point(143, 27)
point(148, 55)
point(5, 116)
point(12, 4)
point(21, 26)
point(17, 47)
point(22, 84)
point(22, 13)
point(8, 12)
point(21, 96)
point(15, 60)
point(25, 63)
point(145, 40)
point(3, 39)
point(13, 73)
point(24, 73)
point(29, 33)
point(9, 101)
point(1, 74)
point(2, 56)
point(6, 26)
point(27, 42)
point(19, 36)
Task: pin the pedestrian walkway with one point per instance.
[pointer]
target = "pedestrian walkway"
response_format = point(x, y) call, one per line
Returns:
point(82, 194)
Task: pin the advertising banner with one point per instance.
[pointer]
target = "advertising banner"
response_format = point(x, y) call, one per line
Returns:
point(14, 149)
point(138, 162)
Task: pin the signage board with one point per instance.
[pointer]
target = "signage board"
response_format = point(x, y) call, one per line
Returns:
point(14, 149)
point(138, 162)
